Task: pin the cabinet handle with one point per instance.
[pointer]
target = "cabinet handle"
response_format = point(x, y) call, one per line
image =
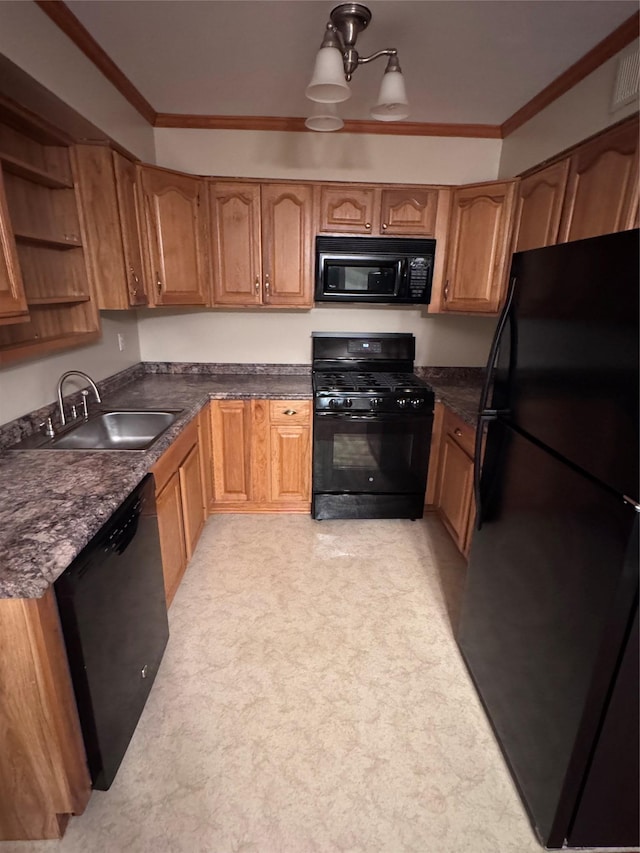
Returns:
point(257, 285)
point(290, 412)
point(134, 276)
point(446, 290)
point(384, 226)
point(267, 287)
point(457, 431)
point(158, 283)
point(367, 225)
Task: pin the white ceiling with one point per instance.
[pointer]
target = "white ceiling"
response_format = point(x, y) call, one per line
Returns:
point(465, 61)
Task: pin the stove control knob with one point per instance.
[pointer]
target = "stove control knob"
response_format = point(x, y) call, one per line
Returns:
point(402, 402)
point(417, 402)
point(374, 402)
point(348, 402)
point(335, 403)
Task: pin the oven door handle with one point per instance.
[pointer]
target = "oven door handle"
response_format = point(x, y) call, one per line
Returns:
point(381, 416)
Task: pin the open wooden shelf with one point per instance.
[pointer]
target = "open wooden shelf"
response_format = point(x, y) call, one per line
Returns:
point(35, 347)
point(50, 242)
point(31, 173)
point(62, 299)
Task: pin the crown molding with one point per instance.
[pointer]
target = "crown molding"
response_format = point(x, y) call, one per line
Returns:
point(296, 124)
point(65, 20)
point(627, 32)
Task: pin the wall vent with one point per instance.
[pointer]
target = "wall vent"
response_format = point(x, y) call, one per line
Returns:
point(627, 77)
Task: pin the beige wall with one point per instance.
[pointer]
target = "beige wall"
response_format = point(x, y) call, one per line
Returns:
point(32, 41)
point(579, 113)
point(32, 384)
point(328, 156)
point(248, 336)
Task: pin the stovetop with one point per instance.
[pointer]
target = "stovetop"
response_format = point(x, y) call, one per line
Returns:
point(384, 392)
point(371, 382)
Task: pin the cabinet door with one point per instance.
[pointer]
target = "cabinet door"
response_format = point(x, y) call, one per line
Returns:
point(287, 244)
point(231, 440)
point(176, 235)
point(478, 248)
point(237, 270)
point(455, 490)
point(410, 212)
point(171, 526)
point(193, 513)
point(347, 209)
point(539, 206)
point(602, 190)
point(290, 462)
point(131, 224)
point(13, 304)
point(206, 460)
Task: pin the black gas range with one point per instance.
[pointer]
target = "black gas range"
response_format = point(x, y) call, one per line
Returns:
point(372, 426)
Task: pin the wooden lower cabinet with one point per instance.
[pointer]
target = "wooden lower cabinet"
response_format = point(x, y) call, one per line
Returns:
point(180, 499)
point(261, 455)
point(454, 498)
point(44, 777)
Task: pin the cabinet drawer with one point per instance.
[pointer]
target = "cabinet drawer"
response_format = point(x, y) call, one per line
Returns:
point(290, 411)
point(461, 432)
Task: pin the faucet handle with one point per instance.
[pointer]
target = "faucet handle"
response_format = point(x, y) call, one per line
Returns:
point(47, 425)
point(85, 407)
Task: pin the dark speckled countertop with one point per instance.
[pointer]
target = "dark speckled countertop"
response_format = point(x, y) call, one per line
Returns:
point(54, 502)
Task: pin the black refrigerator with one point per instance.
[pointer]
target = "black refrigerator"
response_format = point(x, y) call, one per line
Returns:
point(549, 625)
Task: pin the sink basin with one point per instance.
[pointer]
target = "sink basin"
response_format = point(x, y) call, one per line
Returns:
point(113, 429)
point(118, 430)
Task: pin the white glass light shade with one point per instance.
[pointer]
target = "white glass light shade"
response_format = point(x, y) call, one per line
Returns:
point(325, 118)
point(392, 102)
point(328, 85)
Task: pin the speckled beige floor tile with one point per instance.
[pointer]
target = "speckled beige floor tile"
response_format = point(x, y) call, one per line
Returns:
point(311, 699)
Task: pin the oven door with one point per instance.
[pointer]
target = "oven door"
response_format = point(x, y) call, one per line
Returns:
point(371, 454)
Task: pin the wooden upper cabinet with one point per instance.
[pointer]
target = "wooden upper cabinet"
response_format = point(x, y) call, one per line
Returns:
point(175, 208)
point(287, 244)
point(132, 226)
point(602, 189)
point(110, 198)
point(401, 211)
point(539, 207)
point(13, 303)
point(348, 209)
point(263, 243)
point(235, 223)
point(478, 252)
point(408, 212)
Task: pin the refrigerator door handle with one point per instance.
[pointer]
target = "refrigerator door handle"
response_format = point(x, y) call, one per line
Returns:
point(485, 413)
point(495, 347)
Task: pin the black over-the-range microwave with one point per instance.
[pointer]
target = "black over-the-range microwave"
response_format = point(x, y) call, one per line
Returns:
point(374, 269)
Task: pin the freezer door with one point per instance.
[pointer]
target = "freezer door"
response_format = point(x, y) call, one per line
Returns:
point(567, 368)
point(549, 589)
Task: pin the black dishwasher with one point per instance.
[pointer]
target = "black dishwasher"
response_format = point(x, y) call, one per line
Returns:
point(114, 620)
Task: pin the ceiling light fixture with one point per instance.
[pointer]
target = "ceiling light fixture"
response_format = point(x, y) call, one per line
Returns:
point(336, 61)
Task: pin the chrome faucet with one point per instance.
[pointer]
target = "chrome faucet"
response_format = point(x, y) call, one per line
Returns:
point(93, 385)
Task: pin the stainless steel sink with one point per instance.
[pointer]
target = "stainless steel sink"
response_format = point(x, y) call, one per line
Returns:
point(109, 430)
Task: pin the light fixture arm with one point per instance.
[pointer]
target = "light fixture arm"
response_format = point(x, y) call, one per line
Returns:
point(390, 51)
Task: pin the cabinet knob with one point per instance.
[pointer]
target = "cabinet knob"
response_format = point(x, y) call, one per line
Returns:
point(457, 431)
point(158, 283)
point(267, 287)
point(134, 276)
point(289, 412)
point(257, 285)
point(446, 290)
point(384, 226)
point(367, 225)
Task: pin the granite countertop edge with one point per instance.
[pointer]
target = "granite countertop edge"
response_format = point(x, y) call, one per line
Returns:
point(55, 502)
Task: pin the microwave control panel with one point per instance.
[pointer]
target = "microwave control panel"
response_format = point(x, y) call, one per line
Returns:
point(419, 277)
